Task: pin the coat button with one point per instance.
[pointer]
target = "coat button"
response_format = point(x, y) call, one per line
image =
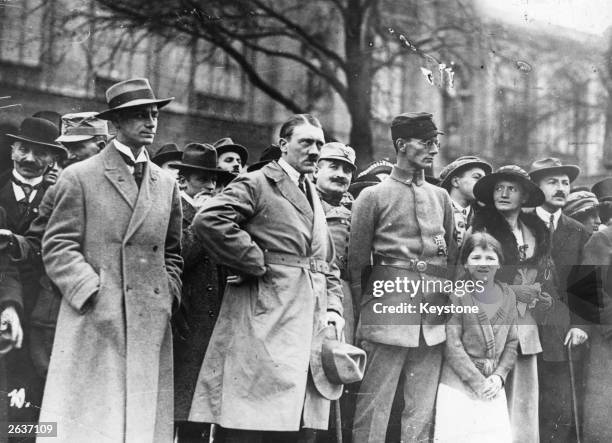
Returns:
point(156, 290)
point(155, 248)
point(209, 288)
point(128, 288)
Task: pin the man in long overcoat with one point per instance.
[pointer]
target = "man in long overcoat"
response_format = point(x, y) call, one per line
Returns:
point(112, 247)
point(269, 226)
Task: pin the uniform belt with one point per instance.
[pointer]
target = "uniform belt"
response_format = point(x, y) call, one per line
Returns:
point(297, 261)
point(413, 265)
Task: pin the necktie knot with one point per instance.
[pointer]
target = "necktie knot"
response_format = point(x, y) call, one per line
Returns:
point(138, 168)
point(551, 222)
point(25, 187)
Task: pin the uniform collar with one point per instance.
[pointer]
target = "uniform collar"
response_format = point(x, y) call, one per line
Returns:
point(408, 177)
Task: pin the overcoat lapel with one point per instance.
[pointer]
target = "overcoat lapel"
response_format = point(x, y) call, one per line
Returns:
point(288, 189)
point(119, 175)
point(7, 200)
point(320, 235)
point(143, 202)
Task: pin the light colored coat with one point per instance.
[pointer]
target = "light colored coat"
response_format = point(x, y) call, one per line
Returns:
point(114, 253)
point(255, 372)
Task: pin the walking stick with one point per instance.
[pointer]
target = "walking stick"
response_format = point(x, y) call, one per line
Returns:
point(574, 397)
point(338, 421)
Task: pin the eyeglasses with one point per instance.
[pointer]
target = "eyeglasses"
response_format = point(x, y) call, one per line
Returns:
point(429, 144)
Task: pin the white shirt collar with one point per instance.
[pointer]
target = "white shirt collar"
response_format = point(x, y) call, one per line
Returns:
point(459, 208)
point(187, 198)
point(142, 157)
point(18, 191)
point(290, 170)
point(545, 216)
point(28, 181)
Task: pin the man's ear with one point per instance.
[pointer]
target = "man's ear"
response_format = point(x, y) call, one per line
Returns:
point(282, 143)
point(400, 144)
point(454, 182)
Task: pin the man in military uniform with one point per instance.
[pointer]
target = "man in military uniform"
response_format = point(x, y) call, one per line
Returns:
point(406, 225)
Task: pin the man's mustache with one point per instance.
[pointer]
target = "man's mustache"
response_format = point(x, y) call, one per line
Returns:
point(340, 180)
point(313, 157)
point(28, 164)
point(560, 194)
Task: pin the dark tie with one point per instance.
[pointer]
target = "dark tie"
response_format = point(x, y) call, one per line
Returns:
point(551, 223)
point(26, 188)
point(138, 168)
point(304, 188)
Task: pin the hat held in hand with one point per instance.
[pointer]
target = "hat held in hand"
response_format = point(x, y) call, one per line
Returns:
point(334, 363)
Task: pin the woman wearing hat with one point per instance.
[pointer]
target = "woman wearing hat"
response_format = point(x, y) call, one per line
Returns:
point(529, 272)
point(583, 206)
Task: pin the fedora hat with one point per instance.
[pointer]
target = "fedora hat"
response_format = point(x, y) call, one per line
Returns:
point(552, 165)
point(270, 154)
point(459, 165)
point(131, 93)
point(603, 189)
point(334, 363)
point(226, 144)
point(201, 157)
point(580, 201)
point(483, 189)
point(81, 126)
point(40, 132)
point(167, 153)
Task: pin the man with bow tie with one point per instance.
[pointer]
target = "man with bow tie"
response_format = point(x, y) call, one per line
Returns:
point(112, 248)
point(33, 151)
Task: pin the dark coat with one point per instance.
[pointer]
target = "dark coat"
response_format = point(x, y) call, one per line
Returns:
point(490, 220)
point(19, 362)
point(10, 294)
point(195, 319)
point(113, 361)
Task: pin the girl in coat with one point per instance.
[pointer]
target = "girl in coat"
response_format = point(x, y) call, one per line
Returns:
point(529, 271)
point(480, 351)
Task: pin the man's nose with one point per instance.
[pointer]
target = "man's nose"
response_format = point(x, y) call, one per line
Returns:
point(505, 192)
point(434, 150)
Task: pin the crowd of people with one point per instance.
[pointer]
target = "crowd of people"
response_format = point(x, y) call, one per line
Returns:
point(198, 295)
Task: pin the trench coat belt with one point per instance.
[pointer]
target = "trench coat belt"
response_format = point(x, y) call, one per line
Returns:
point(297, 261)
point(414, 265)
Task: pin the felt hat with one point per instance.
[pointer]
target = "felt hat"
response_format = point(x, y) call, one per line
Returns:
point(459, 165)
point(227, 145)
point(334, 363)
point(167, 153)
point(131, 93)
point(270, 154)
point(603, 189)
point(550, 166)
point(483, 189)
point(40, 132)
point(201, 157)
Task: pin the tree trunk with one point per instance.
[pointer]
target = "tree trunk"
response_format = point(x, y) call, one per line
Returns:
point(359, 82)
point(608, 85)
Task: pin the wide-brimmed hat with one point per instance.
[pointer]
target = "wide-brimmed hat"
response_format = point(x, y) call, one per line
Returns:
point(550, 166)
point(227, 145)
point(462, 164)
point(131, 93)
point(167, 153)
point(377, 167)
point(483, 189)
point(81, 126)
point(580, 201)
point(334, 363)
point(40, 132)
point(603, 189)
point(201, 157)
point(270, 154)
point(338, 151)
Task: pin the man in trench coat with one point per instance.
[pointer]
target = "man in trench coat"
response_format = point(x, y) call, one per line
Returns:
point(112, 247)
point(269, 226)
